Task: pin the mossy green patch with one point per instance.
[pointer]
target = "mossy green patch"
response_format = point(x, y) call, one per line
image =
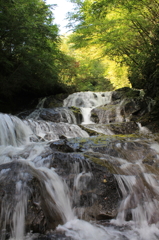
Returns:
point(102, 162)
point(75, 110)
point(107, 107)
point(91, 132)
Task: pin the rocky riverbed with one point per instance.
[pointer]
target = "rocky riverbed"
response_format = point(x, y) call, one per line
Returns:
point(56, 167)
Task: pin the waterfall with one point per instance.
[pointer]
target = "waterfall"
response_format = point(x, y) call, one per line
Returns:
point(56, 190)
point(86, 101)
point(13, 131)
point(52, 131)
point(19, 213)
point(86, 113)
point(64, 114)
point(53, 177)
point(137, 211)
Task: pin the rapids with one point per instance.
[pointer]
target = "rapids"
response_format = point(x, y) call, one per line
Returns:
point(29, 161)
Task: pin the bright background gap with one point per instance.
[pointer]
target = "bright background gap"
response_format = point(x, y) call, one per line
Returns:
point(60, 13)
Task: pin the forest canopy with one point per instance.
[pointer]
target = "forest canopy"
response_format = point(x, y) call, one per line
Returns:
point(127, 31)
point(29, 52)
point(90, 71)
point(114, 43)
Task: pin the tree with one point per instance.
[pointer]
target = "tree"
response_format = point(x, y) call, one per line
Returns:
point(85, 68)
point(29, 53)
point(127, 31)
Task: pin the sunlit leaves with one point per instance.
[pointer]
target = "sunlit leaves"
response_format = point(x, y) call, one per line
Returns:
point(126, 31)
point(94, 72)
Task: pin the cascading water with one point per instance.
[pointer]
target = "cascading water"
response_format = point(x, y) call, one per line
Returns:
point(13, 131)
point(86, 113)
point(26, 154)
point(137, 214)
point(86, 101)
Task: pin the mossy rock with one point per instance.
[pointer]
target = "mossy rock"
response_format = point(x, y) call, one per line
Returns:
point(55, 100)
point(102, 162)
point(90, 131)
point(75, 110)
point(123, 128)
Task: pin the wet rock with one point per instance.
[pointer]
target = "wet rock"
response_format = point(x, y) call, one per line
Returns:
point(97, 191)
point(120, 111)
point(52, 236)
point(52, 115)
point(77, 113)
point(104, 114)
point(58, 115)
point(61, 146)
point(92, 130)
point(127, 147)
point(136, 108)
point(55, 101)
point(125, 92)
point(24, 114)
point(19, 185)
point(110, 129)
point(92, 143)
point(93, 167)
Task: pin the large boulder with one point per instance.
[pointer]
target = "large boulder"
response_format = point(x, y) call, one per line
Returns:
point(120, 111)
point(95, 191)
point(111, 129)
point(125, 92)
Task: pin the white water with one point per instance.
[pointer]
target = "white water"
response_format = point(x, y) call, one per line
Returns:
point(143, 130)
point(13, 131)
point(19, 212)
point(16, 144)
point(140, 200)
point(65, 114)
point(86, 113)
point(82, 230)
point(139, 187)
point(52, 131)
point(56, 190)
point(119, 117)
point(86, 101)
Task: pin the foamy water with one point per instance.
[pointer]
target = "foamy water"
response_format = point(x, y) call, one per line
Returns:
point(26, 141)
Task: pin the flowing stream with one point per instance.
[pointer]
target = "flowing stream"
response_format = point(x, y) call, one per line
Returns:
point(86, 101)
point(25, 142)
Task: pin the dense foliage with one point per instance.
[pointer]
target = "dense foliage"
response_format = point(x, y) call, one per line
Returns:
point(88, 71)
point(109, 37)
point(34, 62)
point(127, 31)
point(29, 53)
